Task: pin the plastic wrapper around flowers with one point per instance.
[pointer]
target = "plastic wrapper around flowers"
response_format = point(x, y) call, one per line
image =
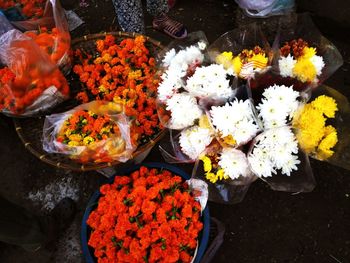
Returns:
point(245, 50)
point(302, 57)
point(323, 127)
point(30, 83)
point(95, 132)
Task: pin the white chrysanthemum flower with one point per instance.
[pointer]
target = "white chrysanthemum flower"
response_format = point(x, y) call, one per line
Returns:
point(169, 85)
point(290, 165)
point(234, 163)
point(194, 140)
point(184, 110)
point(278, 148)
point(318, 63)
point(235, 119)
point(260, 163)
point(193, 54)
point(169, 57)
point(278, 105)
point(286, 65)
point(210, 81)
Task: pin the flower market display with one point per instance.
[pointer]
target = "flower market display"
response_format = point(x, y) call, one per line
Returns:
point(96, 132)
point(150, 215)
point(125, 73)
point(301, 61)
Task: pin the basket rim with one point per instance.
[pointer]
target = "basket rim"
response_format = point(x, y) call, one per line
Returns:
point(45, 157)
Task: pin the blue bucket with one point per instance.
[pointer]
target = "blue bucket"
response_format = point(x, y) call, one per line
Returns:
point(85, 229)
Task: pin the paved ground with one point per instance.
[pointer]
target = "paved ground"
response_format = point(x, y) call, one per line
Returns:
point(266, 227)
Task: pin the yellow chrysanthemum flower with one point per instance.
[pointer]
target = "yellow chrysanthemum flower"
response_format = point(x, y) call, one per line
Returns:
point(211, 177)
point(309, 52)
point(329, 129)
point(324, 149)
point(326, 105)
point(237, 65)
point(305, 70)
point(259, 60)
point(221, 174)
point(206, 163)
point(225, 59)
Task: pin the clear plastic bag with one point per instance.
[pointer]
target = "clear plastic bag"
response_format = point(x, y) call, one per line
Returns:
point(37, 84)
point(337, 129)
point(88, 147)
point(244, 49)
point(266, 8)
point(5, 25)
point(302, 56)
point(51, 33)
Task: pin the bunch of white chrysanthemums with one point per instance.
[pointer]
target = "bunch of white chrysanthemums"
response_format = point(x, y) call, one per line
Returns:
point(186, 81)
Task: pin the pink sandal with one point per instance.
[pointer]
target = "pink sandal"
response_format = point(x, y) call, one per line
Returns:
point(169, 26)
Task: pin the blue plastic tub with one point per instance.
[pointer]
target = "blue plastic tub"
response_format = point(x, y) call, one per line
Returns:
point(85, 229)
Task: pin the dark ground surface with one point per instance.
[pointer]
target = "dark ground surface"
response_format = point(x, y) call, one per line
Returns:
point(267, 226)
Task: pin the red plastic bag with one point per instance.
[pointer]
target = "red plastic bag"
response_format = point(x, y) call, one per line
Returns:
point(30, 83)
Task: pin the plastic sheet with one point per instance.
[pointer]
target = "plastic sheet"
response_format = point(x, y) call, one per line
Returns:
point(117, 146)
point(266, 8)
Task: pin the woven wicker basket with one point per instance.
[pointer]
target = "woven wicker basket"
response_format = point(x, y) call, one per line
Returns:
point(30, 130)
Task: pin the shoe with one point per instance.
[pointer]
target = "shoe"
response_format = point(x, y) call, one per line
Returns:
point(59, 219)
point(169, 26)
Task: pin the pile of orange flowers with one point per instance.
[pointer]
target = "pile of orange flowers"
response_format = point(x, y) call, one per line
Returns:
point(85, 127)
point(149, 216)
point(29, 8)
point(19, 92)
point(125, 73)
point(53, 42)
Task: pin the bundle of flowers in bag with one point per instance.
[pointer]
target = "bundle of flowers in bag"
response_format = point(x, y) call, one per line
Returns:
point(96, 132)
point(299, 60)
point(124, 73)
point(30, 82)
point(149, 216)
point(246, 63)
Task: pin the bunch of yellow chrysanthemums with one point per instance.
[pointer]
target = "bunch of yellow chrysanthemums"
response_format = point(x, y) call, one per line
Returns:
point(314, 136)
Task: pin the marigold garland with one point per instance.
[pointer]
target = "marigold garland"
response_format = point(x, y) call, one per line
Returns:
point(123, 72)
point(149, 216)
point(314, 135)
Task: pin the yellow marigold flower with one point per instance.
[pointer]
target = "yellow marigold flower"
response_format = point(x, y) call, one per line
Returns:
point(98, 60)
point(309, 52)
point(68, 132)
point(206, 163)
point(304, 70)
point(106, 57)
point(73, 143)
point(102, 88)
point(211, 177)
point(259, 60)
point(326, 105)
point(75, 137)
point(135, 74)
point(324, 148)
point(225, 59)
point(237, 65)
point(87, 140)
point(230, 140)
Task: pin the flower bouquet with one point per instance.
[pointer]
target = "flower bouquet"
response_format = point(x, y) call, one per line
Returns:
point(30, 82)
point(149, 214)
point(302, 57)
point(123, 72)
point(244, 50)
point(96, 132)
